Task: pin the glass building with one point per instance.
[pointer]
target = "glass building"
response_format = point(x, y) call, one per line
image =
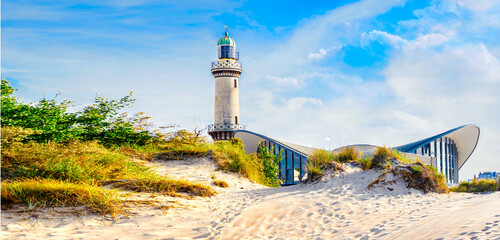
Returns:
point(447, 152)
point(293, 167)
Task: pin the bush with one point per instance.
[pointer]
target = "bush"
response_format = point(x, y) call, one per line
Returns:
point(270, 165)
point(483, 185)
point(51, 120)
point(347, 154)
point(366, 163)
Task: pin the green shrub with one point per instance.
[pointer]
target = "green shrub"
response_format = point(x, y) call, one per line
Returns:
point(482, 185)
point(366, 163)
point(270, 165)
point(51, 121)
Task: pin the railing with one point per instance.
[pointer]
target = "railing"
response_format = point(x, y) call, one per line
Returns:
point(226, 127)
point(226, 64)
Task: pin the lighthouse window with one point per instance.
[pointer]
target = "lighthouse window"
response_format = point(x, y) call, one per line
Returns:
point(236, 120)
point(235, 83)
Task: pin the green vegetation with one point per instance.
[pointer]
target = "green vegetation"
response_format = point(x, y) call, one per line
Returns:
point(318, 162)
point(366, 163)
point(423, 177)
point(52, 157)
point(51, 121)
point(416, 174)
point(229, 155)
point(382, 158)
point(270, 165)
point(347, 154)
point(482, 185)
point(221, 183)
point(50, 192)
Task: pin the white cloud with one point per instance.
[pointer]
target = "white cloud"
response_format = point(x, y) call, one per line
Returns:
point(477, 5)
point(318, 55)
point(285, 81)
point(384, 37)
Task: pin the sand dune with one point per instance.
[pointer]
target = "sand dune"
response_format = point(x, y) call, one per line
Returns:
point(339, 207)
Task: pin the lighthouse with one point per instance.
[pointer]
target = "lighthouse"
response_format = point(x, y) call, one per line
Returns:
point(226, 71)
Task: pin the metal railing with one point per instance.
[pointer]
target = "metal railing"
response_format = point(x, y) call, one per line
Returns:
point(228, 65)
point(226, 127)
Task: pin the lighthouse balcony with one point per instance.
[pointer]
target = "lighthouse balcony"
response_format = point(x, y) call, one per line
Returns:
point(225, 127)
point(226, 64)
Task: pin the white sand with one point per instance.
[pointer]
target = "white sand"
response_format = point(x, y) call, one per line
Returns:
point(339, 207)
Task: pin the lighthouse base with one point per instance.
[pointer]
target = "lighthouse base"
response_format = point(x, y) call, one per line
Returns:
point(221, 135)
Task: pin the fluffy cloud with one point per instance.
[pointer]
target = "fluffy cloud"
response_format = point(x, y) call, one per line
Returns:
point(285, 81)
point(318, 55)
point(375, 35)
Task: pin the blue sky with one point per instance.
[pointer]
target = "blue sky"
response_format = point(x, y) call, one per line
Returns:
point(382, 72)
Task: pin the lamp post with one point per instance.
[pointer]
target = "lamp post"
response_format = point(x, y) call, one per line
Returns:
point(329, 140)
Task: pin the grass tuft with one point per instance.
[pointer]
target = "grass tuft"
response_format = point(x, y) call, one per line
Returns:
point(220, 183)
point(347, 154)
point(50, 192)
point(366, 163)
point(318, 161)
point(171, 187)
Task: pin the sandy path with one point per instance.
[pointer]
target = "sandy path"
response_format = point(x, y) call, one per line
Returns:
point(338, 208)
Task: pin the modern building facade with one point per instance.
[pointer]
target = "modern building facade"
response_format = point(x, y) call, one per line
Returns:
point(488, 175)
point(293, 167)
point(447, 152)
point(226, 71)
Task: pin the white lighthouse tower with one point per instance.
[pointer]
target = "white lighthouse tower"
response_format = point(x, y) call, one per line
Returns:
point(226, 71)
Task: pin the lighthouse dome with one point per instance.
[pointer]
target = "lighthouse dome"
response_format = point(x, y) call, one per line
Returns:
point(226, 40)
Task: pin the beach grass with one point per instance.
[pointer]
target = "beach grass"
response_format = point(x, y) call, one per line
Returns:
point(73, 173)
point(38, 192)
point(229, 155)
point(347, 154)
point(318, 161)
point(163, 185)
point(482, 185)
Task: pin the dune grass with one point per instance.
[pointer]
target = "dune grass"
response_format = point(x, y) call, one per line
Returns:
point(318, 161)
point(76, 161)
point(221, 183)
point(171, 187)
point(229, 155)
point(482, 185)
point(347, 154)
point(50, 192)
point(72, 173)
point(366, 163)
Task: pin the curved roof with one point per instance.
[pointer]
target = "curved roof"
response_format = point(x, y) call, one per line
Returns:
point(226, 40)
point(465, 137)
point(244, 134)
